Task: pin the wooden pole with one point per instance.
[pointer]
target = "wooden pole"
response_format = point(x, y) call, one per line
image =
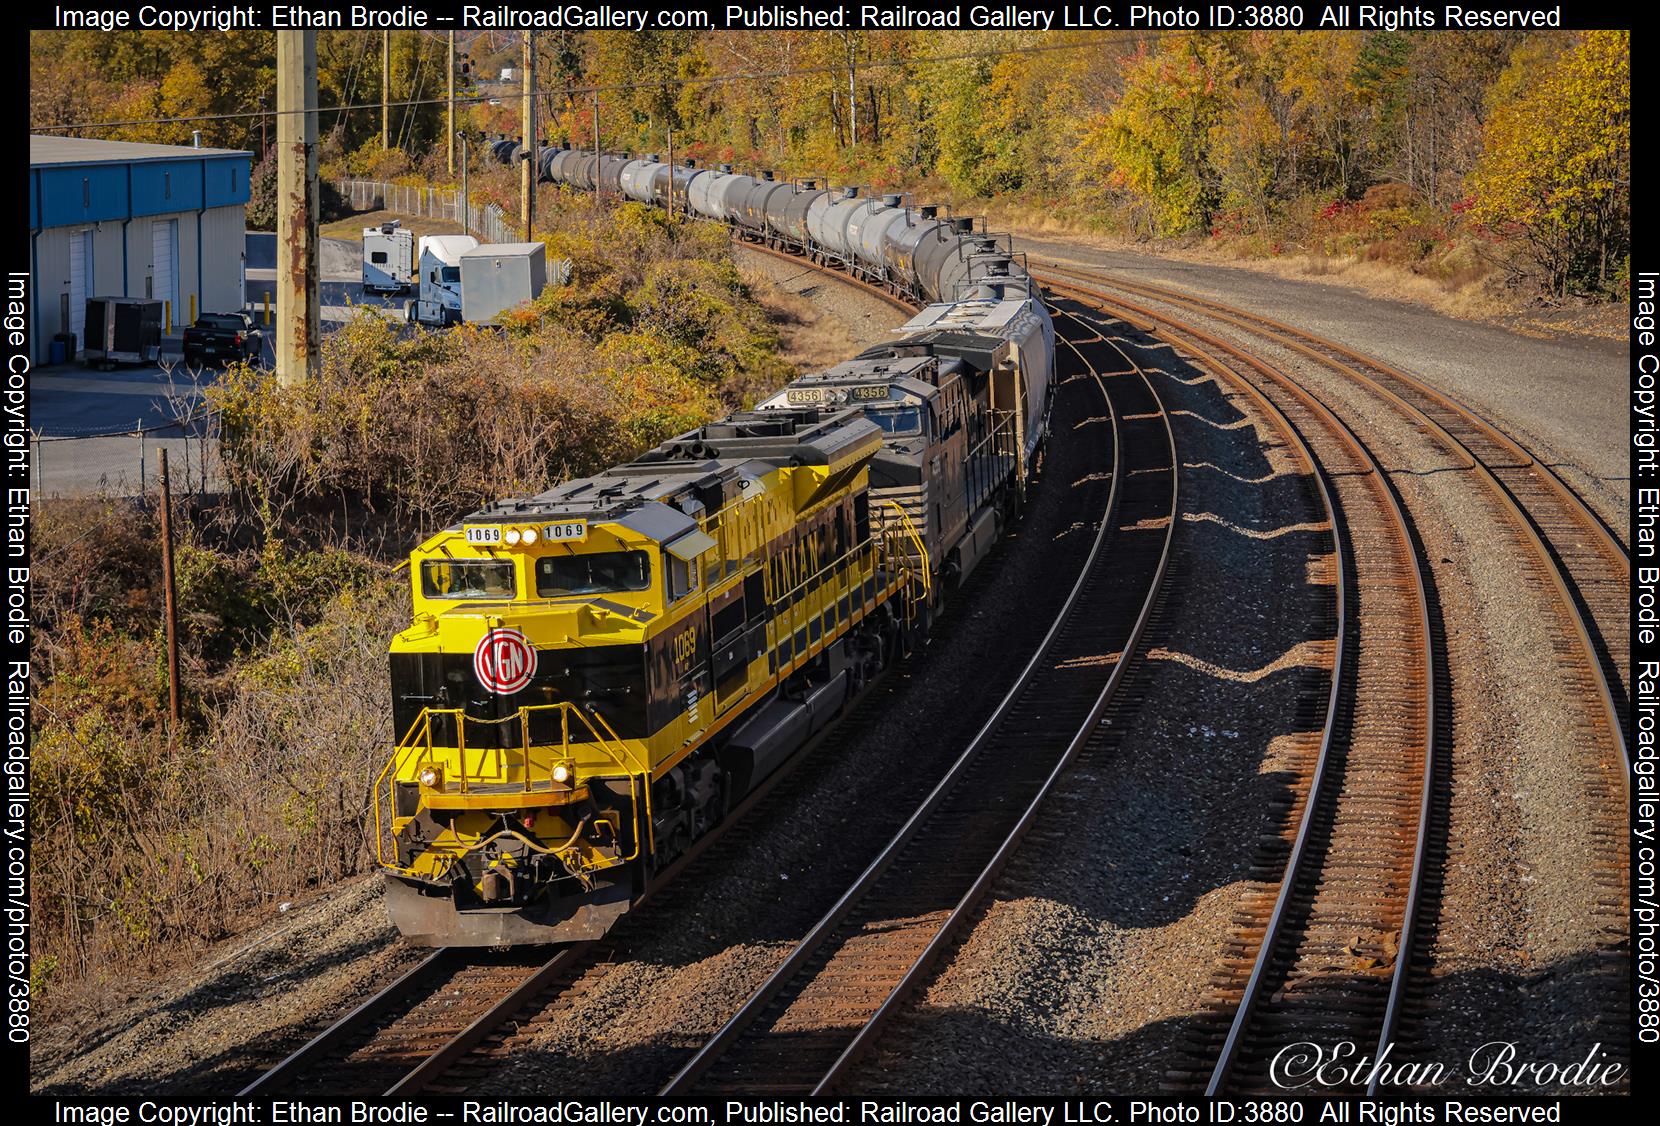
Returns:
point(596, 148)
point(298, 326)
point(527, 123)
point(670, 196)
point(451, 118)
point(172, 603)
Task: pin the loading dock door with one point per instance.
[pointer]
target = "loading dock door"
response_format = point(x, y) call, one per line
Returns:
point(164, 273)
point(80, 275)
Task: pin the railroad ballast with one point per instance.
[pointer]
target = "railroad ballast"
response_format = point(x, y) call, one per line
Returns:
point(598, 675)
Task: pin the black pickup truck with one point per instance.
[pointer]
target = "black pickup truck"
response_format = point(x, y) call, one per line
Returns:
point(223, 337)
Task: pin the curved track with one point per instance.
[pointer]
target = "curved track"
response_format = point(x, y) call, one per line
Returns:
point(809, 1023)
point(1591, 567)
point(448, 1019)
point(1323, 956)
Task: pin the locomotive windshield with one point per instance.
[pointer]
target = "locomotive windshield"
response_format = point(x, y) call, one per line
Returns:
point(896, 420)
point(467, 578)
point(604, 572)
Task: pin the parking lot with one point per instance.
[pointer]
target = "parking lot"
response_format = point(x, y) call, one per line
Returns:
point(100, 431)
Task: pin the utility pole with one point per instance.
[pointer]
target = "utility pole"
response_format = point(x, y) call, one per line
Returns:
point(450, 121)
point(527, 126)
point(670, 194)
point(385, 89)
point(298, 329)
point(172, 602)
point(596, 147)
point(466, 215)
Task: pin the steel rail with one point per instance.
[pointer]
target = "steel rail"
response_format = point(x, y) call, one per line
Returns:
point(1294, 873)
point(331, 1037)
point(841, 275)
point(1491, 430)
point(752, 1009)
point(1575, 611)
point(931, 954)
point(459, 1046)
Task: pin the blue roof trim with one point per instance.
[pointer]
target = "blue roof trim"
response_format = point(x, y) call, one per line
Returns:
point(62, 195)
point(167, 185)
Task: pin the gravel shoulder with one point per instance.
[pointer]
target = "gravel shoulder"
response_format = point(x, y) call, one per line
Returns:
point(1565, 399)
point(205, 1027)
point(820, 321)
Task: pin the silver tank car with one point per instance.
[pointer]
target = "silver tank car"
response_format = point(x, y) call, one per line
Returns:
point(865, 233)
point(832, 235)
point(639, 177)
point(704, 190)
point(787, 217)
point(758, 205)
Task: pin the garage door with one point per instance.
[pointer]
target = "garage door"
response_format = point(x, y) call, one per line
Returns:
point(164, 272)
point(80, 274)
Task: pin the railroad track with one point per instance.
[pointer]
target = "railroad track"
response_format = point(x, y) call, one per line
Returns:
point(1590, 564)
point(803, 1030)
point(1320, 950)
point(451, 1018)
point(1563, 549)
point(842, 276)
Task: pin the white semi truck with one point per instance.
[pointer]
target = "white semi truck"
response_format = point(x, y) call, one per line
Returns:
point(388, 258)
point(439, 296)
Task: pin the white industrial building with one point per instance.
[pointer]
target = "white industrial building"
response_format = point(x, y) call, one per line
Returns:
point(116, 219)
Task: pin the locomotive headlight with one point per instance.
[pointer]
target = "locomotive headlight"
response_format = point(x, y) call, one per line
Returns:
point(430, 777)
point(530, 535)
point(511, 536)
point(562, 773)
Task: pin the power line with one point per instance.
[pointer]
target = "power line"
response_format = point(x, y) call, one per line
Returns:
point(701, 80)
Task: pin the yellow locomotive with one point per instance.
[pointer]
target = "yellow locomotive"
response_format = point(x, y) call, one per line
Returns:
point(595, 675)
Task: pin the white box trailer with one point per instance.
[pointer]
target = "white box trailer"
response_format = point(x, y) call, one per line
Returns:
point(388, 258)
point(439, 298)
point(499, 276)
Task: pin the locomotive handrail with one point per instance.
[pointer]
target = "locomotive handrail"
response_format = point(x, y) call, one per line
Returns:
point(909, 529)
point(419, 739)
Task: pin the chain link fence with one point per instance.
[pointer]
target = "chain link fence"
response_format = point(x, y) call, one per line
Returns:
point(488, 223)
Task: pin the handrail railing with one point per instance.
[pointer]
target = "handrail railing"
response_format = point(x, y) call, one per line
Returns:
point(417, 747)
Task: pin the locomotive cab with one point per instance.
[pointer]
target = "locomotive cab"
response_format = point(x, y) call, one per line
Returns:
point(949, 456)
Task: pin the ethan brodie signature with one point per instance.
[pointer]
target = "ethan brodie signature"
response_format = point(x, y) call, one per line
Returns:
point(1496, 1064)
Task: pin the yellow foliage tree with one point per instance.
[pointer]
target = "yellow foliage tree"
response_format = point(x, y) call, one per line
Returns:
point(1556, 164)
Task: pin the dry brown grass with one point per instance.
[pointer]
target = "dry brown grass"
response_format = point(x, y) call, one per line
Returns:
point(809, 337)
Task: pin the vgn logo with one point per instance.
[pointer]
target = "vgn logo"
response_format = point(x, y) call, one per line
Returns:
point(504, 661)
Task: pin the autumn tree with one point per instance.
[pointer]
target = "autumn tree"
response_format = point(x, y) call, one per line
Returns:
point(1556, 165)
point(1158, 139)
